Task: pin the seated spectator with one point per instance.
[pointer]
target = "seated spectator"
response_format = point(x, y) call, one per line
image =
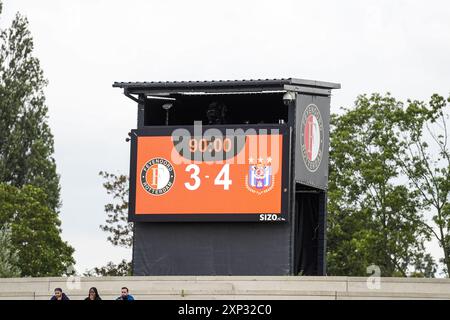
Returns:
point(93, 294)
point(59, 295)
point(125, 295)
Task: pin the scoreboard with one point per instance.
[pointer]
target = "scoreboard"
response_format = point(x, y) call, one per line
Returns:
point(210, 173)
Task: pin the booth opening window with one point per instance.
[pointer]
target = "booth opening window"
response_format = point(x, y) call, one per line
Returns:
point(233, 109)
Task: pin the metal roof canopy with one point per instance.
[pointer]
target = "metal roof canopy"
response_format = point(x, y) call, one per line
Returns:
point(227, 86)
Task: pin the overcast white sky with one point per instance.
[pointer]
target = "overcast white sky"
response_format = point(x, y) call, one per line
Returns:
point(84, 46)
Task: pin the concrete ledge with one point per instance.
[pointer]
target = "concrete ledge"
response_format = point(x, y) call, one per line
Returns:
point(228, 287)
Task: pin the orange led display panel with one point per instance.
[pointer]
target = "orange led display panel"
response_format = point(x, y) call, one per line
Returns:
point(233, 175)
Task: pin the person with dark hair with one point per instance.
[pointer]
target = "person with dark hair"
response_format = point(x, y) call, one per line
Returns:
point(93, 294)
point(216, 113)
point(59, 295)
point(125, 295)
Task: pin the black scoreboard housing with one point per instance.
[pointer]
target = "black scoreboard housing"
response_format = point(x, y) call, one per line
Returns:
point(296, 246)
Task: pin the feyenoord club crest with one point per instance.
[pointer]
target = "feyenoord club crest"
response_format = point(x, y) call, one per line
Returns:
point(259, 179)
point(312, 137)
point(157, 176)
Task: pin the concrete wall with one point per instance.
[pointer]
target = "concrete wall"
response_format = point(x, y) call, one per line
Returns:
point(228, 287)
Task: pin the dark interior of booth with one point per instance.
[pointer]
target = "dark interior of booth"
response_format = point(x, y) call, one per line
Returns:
point(262, 108)
point(306, 230)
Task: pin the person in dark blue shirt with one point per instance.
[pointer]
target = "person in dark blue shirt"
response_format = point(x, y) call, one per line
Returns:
point(125, 295)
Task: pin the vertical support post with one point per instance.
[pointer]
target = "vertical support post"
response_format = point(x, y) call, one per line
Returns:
point(140, 125)
point(292, 119)
point(322, 241)
point(141, 112)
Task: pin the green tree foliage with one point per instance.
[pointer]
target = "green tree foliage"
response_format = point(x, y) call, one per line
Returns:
point(8, 256)
point(111, 269)
point(425, 161)
point(26, 143)
point(117, 225)
point(35, 233)
point(374, 218)
point(29, 184)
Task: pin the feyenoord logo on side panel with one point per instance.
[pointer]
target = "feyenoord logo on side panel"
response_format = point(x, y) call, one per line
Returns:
point(157, 176)
point(312, 137)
